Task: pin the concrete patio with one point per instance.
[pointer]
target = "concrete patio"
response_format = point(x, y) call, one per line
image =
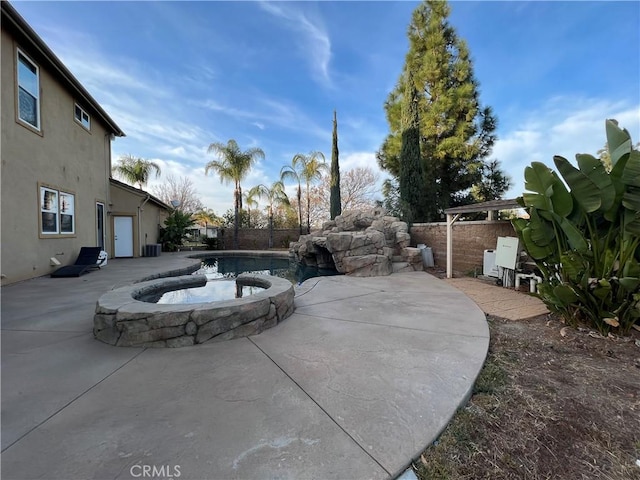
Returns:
point(354, 384)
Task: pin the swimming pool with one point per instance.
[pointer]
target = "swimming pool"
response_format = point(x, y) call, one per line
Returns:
point(221, 270)
point(223, 266)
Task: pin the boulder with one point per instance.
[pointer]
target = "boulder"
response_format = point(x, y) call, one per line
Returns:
point(339, 242)
point(359, 243)
point(367, 265)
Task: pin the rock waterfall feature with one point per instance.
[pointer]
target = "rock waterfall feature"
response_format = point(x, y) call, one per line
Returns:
point(361, 244)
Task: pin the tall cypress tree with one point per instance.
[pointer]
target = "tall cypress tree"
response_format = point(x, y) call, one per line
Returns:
point(335, 203)
point(411, 181)
point(456, 132)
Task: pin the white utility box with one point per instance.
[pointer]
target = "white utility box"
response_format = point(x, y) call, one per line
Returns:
point(507, 252)
point(489, 268)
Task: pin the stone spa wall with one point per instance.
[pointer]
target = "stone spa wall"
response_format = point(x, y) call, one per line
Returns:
point(123, 319)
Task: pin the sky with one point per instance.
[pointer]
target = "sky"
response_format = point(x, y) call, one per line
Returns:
point(178, 76)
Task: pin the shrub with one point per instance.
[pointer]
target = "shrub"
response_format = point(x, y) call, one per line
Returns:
point(175, 230)
point(212, 243)
point(586, 239)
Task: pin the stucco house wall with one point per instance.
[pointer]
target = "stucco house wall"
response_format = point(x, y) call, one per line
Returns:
point(148, 214)
point(61, 155)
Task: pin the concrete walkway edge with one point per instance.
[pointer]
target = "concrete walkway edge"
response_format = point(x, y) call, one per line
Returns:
point(355, 384)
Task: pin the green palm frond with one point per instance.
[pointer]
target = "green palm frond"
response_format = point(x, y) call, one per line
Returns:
point(135, 169)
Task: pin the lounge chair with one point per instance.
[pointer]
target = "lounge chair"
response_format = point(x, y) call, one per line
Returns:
point(87, 260)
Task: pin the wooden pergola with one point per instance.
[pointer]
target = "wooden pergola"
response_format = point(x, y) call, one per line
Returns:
point(454, 213)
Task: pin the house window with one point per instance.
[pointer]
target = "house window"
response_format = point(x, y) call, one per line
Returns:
point(57, 212)
point(49, 210)
point(28, 91)
point(82, 117)
point(67, 213)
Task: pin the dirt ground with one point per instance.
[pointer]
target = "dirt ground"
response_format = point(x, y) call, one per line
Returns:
point(552, 402)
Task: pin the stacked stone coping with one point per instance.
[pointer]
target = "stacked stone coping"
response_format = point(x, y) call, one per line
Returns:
point(123, 320)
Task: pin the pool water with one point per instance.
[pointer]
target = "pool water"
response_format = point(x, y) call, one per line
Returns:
point(231, 267)
point(221, 273)
point(214, 290)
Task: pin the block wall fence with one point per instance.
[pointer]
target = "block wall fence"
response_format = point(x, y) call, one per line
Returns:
point(470, 240)
point(258, 238)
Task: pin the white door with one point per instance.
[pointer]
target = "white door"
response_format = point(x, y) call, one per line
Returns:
point(123, 236)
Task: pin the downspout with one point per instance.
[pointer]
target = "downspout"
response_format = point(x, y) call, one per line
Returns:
point(107, 213)
point(140, 210)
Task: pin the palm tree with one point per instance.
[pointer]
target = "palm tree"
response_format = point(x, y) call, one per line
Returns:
point(294, 172)
point(315, 166)
point(135, 170)
point(250, 201)
point(308, 168)
point(275, 196)
point(206, 217)
point(233, 165)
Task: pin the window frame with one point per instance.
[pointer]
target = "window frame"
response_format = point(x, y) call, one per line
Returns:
point(56, 212)
point(83, 113)
point(28, 61)
point(67, 216)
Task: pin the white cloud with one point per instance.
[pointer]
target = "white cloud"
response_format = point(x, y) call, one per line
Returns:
point(352, 160)
point(209, 189)
point(269, 111)
point(316, 44)
point(563, 126)
point(349, 161)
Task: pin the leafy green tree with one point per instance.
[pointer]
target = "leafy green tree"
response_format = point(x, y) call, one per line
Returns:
point(229, 218)
point(233, 165)
point(276, 196)
point(135, 170)
point(456, 132)
point(307, 168)
point(334, 184)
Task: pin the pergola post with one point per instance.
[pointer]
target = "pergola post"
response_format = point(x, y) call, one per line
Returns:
point(450, 221)
point(454, 213)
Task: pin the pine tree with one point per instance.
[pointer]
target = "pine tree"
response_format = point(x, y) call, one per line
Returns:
point(493, 185)
point(456, 132)
point(335, 203)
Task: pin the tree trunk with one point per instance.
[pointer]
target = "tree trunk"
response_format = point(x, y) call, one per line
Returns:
point(270, 227)
point(300, 208)
point(335, 204)
point(308, 211)
point(236, 215)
